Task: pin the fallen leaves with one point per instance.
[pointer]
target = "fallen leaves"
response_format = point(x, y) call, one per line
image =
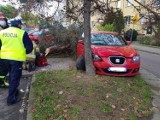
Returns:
point(122, 109)
point(78, 76)
point(60, 92)
point(113, 106)
point(108, 95)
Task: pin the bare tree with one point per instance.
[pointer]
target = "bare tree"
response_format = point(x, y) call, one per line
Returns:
point(152, 7)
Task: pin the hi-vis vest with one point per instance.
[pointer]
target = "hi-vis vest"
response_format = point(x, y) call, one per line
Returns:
point(0, 49)
point(12, 44)
point(1, 28)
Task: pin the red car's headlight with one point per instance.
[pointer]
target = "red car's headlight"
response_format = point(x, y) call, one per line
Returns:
point(136, 59)
point(96, 57)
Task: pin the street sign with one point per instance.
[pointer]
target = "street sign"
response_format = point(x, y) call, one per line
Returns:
point(135, 19)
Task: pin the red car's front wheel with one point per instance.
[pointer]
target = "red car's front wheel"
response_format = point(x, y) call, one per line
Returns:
point(80, 63)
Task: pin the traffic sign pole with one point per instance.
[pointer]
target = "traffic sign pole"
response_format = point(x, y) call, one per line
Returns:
point(132, 33)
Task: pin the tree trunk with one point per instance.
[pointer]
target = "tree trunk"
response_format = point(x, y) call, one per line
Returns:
point(87, 42)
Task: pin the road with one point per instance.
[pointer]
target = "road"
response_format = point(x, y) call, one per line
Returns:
point(150, 62)
point(12, 112)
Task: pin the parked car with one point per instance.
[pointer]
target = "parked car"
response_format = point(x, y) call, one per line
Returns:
point(41, 36)
point(112, 55)
point(30, 28)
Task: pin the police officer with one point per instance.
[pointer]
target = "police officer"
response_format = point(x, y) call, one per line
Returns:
point(15, 45)
point(3, 22)
point(3, 69)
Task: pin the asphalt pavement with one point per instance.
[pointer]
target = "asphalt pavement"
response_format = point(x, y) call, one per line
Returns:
point(13, 112)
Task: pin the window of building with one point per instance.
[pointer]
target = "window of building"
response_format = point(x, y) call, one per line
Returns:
point(142, 20)
point(143, 2)
point(118, 4)
point(127, 20)
point(129, 2)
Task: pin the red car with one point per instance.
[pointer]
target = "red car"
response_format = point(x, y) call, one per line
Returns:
point(112, 55)
point(41, 36)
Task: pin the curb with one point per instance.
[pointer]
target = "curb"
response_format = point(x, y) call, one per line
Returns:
point(30, 100)
point(154, 82)
point(150, 79)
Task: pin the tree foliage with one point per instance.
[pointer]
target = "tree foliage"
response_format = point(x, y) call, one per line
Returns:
point(9, 11)
point(29, 18)
point(114, 17)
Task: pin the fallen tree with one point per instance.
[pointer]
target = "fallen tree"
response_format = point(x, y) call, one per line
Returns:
point(58, 49)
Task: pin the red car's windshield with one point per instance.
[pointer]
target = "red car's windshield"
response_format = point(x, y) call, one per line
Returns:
point(107, 40)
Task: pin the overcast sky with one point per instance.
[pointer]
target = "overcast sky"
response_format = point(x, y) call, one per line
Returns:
point(49, 11)
point(14, 3)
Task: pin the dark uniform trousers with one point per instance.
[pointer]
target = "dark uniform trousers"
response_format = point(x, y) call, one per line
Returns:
point(15, 72)
point(3, 69)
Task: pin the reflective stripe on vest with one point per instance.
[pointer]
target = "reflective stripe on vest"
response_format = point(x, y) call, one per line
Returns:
point(2, 77)
point(12, 44)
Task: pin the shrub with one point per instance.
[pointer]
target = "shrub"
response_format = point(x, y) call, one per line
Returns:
point(107, 27)
point(114, 17)
point(144, 39)
point(147, 40)
point(129, 33)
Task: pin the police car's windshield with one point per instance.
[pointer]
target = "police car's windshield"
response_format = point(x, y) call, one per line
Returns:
point(107, 39)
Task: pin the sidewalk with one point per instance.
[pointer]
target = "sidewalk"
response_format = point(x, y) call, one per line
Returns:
point(12, 112)
point(145, 48)
point(151, 79)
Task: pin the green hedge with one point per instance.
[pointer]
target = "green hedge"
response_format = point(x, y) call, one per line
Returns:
point(128, 35)
point(147, 40)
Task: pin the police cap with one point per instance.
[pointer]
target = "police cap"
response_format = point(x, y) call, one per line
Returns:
point(15, 22)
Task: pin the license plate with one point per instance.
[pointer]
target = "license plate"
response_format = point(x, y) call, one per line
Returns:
point(117, 69)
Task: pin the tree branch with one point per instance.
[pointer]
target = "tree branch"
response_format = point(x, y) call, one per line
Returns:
point(150, 10)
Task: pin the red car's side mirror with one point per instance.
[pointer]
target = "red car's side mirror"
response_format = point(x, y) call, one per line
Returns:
point(80, 42)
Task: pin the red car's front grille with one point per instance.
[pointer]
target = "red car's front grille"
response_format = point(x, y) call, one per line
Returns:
point(117, 59)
